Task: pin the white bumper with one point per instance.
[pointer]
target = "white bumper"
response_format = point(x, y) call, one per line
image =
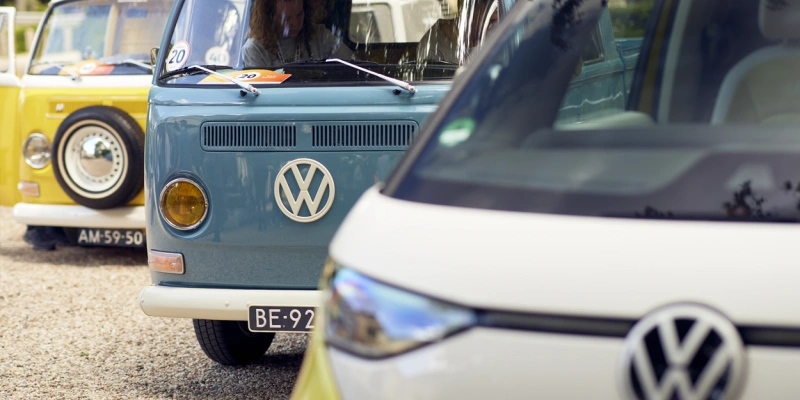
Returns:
point(504, 364)
point(74, 216)
point(218, 304)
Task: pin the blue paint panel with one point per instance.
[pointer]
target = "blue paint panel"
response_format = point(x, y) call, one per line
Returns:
point(246, 241)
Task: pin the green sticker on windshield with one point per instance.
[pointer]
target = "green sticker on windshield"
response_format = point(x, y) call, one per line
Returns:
point(456, 132)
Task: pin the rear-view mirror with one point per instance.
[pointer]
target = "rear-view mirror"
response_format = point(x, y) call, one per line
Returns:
point(153, 56)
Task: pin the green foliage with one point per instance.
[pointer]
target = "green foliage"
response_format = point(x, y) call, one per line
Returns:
point(630, 20)
point(34, 5)
point(19, 39)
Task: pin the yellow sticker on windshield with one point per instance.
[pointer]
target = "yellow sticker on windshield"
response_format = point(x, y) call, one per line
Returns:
point(249, 76)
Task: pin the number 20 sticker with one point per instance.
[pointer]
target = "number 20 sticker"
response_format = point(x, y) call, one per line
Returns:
point(248, 76)
point(178, 55)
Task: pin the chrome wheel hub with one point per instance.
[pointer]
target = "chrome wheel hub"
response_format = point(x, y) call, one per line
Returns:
point(94, 159)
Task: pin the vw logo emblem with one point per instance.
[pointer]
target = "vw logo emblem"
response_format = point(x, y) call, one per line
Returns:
point(314, 204)
point(682, 351)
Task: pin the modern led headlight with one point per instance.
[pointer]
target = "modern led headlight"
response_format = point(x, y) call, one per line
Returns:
point(36, 150)
point(374, 320)
point(183, 204)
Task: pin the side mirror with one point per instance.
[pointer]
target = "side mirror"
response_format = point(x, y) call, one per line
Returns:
point(578, 68)
point(153, 56)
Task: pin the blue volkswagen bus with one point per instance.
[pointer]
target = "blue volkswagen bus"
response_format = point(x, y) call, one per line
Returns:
point(267, 120)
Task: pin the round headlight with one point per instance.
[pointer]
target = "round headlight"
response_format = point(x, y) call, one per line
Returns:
point(36, 150)
point(183, 204)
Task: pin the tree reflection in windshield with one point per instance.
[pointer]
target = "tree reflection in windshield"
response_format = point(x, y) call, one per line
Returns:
point(565, 17)
point(746, 204)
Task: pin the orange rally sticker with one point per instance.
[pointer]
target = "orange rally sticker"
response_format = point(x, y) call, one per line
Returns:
point(88, 67)
point(249, 76)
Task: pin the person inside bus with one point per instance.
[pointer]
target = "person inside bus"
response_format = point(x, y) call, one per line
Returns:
point(285, 31)
point(441, 42)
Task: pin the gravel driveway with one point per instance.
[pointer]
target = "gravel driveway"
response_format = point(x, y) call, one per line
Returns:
point(70, 329)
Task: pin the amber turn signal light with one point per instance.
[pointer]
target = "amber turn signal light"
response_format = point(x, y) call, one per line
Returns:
point(171, 263)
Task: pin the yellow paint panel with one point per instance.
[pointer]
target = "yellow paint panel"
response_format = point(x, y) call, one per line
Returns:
point(10, 146)
point(316, 378)
point(39, 112)
point(64, 107)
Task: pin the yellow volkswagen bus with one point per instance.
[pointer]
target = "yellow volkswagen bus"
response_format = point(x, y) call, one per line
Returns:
point(73, 125)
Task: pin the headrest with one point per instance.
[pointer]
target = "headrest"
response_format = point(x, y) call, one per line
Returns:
point(779, 19)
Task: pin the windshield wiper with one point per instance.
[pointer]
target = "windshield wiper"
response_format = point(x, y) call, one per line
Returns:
point(403, 84)
point(191, 68)
point(324, 61)
point(132, 62)
point(74, 75)
point(246, 88)
point(431, 61)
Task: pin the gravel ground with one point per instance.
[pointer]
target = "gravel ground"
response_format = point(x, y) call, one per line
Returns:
point(70, 329)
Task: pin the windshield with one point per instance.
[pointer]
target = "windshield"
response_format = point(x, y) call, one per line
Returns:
point(641, 108)
point(100, 37)
point(289, 41)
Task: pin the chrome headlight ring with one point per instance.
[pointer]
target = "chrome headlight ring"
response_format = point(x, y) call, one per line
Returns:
point(163, 197)
point(36, 150)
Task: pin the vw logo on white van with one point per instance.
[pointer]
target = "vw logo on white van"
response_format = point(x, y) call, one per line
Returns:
point(296, 200)
point(682, 351)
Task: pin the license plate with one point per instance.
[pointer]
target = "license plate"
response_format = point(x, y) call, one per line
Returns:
point(281, 319)
point(111, 237)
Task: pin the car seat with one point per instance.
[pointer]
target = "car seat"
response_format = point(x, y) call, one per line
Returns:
point(764, 87)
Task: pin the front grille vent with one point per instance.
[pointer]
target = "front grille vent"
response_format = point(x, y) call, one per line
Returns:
point(364, 135)
point(248, 136)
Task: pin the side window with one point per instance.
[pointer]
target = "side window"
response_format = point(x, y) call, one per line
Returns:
point(593, 53)
point(612, 53)
point(4, 50)
point(132, 36)
point(371, 23)
point(388, 22)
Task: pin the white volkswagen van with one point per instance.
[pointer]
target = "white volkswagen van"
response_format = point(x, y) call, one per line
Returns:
point(531, 246)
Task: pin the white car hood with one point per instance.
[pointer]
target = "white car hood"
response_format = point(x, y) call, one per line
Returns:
point(577, 266)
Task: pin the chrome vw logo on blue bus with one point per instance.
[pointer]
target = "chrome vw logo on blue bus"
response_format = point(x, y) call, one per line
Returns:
point(314, 203)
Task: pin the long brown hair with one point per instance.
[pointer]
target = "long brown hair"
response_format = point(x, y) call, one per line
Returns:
point(262, 22)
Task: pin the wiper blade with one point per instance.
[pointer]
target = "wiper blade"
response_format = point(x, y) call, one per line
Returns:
point(192, 68)
point(432, 62)
point(132, 62)
point(325, 61)
point(246, 88)
point(403, 84)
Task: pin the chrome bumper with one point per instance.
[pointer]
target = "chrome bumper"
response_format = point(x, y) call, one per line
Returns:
point(75, 216)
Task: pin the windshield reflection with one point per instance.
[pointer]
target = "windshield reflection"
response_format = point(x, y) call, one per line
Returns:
point(404, 39)
point(100, 37)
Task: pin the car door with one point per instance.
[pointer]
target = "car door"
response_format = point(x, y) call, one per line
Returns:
point(9, 94)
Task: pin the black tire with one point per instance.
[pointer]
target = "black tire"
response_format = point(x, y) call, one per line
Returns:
point(121, 153)
point(230, 342)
